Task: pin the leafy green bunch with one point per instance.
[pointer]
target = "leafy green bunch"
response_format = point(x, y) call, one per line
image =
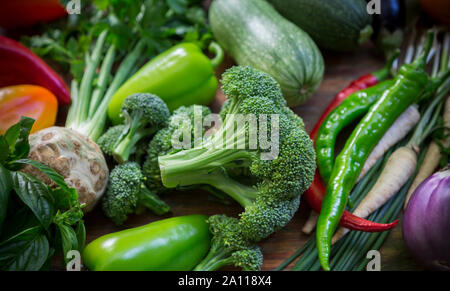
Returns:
point(36, 221)
point(158, 23)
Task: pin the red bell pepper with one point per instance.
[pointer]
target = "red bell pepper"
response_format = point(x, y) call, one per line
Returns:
point(19, 65)
point(20, 13)
point(316, 192)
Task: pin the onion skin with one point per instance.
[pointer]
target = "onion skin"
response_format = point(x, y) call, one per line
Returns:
point(426, 223)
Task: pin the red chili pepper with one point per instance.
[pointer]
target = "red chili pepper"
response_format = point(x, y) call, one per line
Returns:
point(20, 13)
point(19, 65)
point(316, 192)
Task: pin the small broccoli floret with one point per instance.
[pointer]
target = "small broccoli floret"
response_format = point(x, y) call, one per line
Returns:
point(229, 247)
point(263, 218)
point(107, 141)
point(144, 115)
point(127, 193)
point(250, 259)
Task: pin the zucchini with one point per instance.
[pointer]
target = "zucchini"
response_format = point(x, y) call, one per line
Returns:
point(256, 35)
point(340, 25)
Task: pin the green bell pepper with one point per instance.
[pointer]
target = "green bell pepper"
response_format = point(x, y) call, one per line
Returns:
point(173, 244)
point(182, 75)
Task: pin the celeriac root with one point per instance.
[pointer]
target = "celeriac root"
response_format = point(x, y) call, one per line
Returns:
point(75, 157)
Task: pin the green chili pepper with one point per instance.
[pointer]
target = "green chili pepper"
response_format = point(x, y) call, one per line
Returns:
point(182, 75)
point(408, 87)
point(177, 243)
point(350, 109)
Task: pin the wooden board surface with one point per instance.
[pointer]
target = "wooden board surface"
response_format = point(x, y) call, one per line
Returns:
point(340, 70)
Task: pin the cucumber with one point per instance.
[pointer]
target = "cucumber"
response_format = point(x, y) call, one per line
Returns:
point(339, 25)
point(256, 35)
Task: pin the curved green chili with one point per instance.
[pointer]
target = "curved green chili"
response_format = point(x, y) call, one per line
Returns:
point(350, 109)
point(408, 87)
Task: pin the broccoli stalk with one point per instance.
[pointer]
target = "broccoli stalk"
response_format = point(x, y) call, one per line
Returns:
point(149, 200)
point(127, 144)
point(127, 194)
point(228, 247)
point(243, 194)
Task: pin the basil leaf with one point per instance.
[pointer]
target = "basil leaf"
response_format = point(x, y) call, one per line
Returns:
point(52, 174)
point(69, 239)
point(26, 251)
point(17, 138)
point(5, 189)
point(80, 230)
point(4, 149)
point(65, 197)
point(11, 136)
point(17, 221)
point(36, 195)
point(70, 216)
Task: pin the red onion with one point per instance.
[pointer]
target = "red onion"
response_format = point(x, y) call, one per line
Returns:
point(426, 223)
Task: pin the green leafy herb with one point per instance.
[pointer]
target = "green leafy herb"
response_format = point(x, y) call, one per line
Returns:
point(159, 24)
point(16, 137)
point(35, 220)
point(5, 189)
point(36, 196)
point(26, 251)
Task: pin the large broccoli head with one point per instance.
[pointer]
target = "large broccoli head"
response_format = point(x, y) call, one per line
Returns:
point(260, 156)
point(279, 173)
point(284, 170)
